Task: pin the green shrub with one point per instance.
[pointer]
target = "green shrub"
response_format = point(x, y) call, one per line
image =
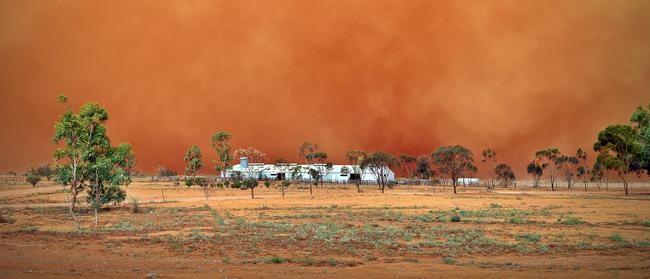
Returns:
point(616, 237)
point(331, 261)
point(276, 260)
point(267, 184)
point(448, 260)
point(517, 220)
point(646, 223)
point(33, 179)
point(495, 205)
point(455, 218)
point(530, 237)
point(570, 221)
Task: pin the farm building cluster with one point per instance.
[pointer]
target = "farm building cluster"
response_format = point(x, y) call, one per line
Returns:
point(293, 171)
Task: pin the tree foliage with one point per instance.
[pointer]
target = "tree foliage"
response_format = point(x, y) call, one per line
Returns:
point(379, 164)
point(192, 160)
point(548, 159)
point(489, 157)
point(454, 161)
point(220, 142)
point(505, 174)
point(407, 161)
point(354, 158)
point(423, 167)
point(306, 148)
point(33, 179)
point(535, 169)
point(87, 160)
point(621, 150)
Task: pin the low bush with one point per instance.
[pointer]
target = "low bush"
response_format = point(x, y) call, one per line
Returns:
point(517, 220)
point(276, 260)
point(455, 218)
point(33, 179)
point(616, 237)
point(449, 260)
point(530, 237)
point(570, 221)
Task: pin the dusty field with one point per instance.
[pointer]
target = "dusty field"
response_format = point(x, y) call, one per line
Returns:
point(405, 233)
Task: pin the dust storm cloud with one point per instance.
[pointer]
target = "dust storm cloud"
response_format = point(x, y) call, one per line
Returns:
point(396, 76)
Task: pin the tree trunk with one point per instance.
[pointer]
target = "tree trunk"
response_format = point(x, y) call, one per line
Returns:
point(71, 209)
point(623, 177)
point(73, 193)
point(311, 192)
point(205, 192)
point(283, 191)
point(97, 197)
point(453, 183)
point(358, 187)
point(252, 193)
point(163, 194)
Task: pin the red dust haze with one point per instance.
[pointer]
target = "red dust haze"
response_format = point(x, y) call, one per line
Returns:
point(396, 76)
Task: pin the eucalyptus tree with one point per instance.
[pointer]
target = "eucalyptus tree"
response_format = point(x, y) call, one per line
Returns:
point(454, 161)
point(193, 164)
point(305, 149)
point(407, 162)
point(86, 159)
point(220, 142)
point(379, 164)
point(45, 171)
point(284, 185)
point(423, 167)
point(583, 170)
point(317, 169)
point(505, 174)
point(548, 159)
point(489, 157)
point(354, 158)
point(620, 150)
point(597, 173)
point(641, 123)
point(112, 167)
point(535, 169)
point(567, 165)
point(192, 160)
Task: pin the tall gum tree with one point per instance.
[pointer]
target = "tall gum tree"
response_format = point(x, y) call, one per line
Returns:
point(85, 158)
point(379, 164)
point(454, 161)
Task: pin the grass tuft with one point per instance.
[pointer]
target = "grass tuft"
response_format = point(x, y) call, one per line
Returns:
point(449, 260)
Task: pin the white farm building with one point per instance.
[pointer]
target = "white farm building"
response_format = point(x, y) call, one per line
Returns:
point(292, 171)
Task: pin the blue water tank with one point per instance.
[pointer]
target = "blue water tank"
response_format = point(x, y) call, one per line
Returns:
point(243, 162)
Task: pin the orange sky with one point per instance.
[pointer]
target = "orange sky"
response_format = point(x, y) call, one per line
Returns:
point(397, 76)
